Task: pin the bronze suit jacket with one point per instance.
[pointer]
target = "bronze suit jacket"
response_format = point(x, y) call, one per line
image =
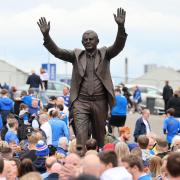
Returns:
point(102, 63)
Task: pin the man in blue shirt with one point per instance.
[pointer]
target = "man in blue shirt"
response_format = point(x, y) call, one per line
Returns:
point(59, 128)
point(11, 134)
point(171, 125)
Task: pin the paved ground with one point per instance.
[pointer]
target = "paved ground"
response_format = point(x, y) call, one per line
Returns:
point(156, 122)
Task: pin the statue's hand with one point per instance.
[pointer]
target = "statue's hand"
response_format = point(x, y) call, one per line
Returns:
point(120, 16)
point(44, 26)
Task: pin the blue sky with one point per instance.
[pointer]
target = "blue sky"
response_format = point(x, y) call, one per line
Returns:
point(153, 29)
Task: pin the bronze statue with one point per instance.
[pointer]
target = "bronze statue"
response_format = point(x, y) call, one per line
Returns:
point(91, 86)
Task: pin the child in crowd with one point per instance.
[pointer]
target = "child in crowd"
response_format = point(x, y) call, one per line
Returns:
point(24, 114)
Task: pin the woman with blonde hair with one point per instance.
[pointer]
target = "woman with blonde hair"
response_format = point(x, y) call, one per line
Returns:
point(155, 167)
point(122, 150)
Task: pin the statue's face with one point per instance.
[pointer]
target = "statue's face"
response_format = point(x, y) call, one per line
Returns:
point(90, 41)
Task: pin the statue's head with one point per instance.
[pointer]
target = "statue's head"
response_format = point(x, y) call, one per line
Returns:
point(90, 40)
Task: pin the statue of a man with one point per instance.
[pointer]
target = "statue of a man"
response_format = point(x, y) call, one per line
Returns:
point(91, 85)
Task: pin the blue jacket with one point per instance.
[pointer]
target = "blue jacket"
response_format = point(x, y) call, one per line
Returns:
point(140, 128)
point(6, 104)
point(59, 129)
point(120, 109)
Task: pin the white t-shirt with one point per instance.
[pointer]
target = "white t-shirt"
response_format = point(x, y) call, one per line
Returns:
point(147, 126)
point(44, 76)
point(117, 173)
point(46, 127)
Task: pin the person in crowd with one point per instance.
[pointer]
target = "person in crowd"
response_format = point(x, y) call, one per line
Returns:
point(127, 94)
point(8, 170)
point(72, 146)
point(173, 166)
point(49, 163)
point(60, 100)
point(46, 127)
point(63, 144)
point(175, 146)
point(13, 93)
point(161, 147)
point(174, 102)
point(142, 124)
point(2, 176)
point(5, 86)
point(18, 101)
point(6, 106)
point(34, 82)
point(26, 166)
point(5, 128)
point(135, 151)
point(44, 78)
point(171, 126)
point(66, 96)
point(42, 152)
point(31, 150)
point(109, 164)
point(122, 150)
point(91, 165)
point(86, 177)
point(15, 163)
point(6, 151)
point(134, 165)
point(119, 111)
point(164, 173)
point(136, 99)
point(108, 159)
point(59, 128)
point(91, 144)
point(54, 172)
point(32, 101)
point(143, 142)
point(62, 115)
point(155, 165)
point(124, 134)
point(24, 114)
point(51, 102)
point(31, 176)
point(152, 142)
point(11, 134)
point(71, 167)
point(167, 94)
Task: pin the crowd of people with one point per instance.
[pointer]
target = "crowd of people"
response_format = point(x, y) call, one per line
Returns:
point(38, 141)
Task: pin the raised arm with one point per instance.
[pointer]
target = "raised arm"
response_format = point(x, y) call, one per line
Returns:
point(119, 43)
point(63, 54)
